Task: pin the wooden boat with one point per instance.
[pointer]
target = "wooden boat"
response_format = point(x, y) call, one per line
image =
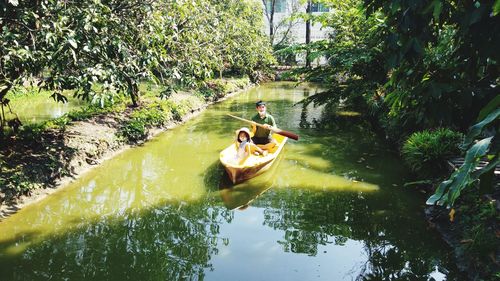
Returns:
point(253, 165)
point(242, 195)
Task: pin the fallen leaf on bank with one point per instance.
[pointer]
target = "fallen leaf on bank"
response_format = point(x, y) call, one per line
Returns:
point(452, 215)
point(465, 241)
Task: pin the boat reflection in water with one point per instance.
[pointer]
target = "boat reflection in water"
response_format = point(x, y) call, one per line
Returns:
point(240, 196)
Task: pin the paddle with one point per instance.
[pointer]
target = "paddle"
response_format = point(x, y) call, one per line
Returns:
point(274, 129)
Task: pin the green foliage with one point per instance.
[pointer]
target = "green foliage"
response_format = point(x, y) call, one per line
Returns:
point(14, 180)
point(413, 65)
point(468, 174)
point(93, 110)
point(442, 65)
point(214, 89)
point(355, 68)
point(284, 54)
point(427, 151)
point(104, 49)
point(20, 183)
point(217, 88)
point(155, 114)
point(136, 129)
point(152, 115)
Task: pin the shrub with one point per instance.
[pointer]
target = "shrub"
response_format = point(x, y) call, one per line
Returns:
point(427, 151)
point(214, 89)
point(93, 110)
point(152, 115)
point(240, 82)
point(134, 130)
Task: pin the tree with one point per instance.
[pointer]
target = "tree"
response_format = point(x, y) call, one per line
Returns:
point(280, 31)
point(308, 32)
point(441, 62)
point(71, 45)
point(105, 48)
point(18, 46)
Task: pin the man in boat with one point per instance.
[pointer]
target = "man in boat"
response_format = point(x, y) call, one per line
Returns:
point(262, 137)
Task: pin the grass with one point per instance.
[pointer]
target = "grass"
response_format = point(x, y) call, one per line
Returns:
point(426, 152)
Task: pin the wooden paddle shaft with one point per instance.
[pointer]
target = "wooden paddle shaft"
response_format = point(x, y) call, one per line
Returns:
point(274, 129)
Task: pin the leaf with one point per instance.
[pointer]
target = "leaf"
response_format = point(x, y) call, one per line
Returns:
point(438, 7)
point(426, 77)
point(491, 166)
point(58, 97)
point(496, 7)
point(72, 42)
point(439, 193)
point(475, 130)
point(73, 54)
point(493, 104)
point(449, 190)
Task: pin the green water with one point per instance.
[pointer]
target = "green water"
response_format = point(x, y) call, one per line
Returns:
point(331, 208)
point(33, 108)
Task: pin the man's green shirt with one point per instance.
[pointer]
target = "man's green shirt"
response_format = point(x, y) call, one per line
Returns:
point(261, 132)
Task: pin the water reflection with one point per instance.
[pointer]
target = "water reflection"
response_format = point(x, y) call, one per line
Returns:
point(169, 242)
point(240, 196)
point(331, 208)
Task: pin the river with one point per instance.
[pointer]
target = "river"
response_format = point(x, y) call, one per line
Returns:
point(333, 207)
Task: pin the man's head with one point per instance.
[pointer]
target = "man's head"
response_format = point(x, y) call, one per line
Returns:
point(261, 108)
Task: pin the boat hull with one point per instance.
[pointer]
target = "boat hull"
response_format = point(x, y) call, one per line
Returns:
point(254, 165)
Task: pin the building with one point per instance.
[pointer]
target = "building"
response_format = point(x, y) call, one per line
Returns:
point(288, 29)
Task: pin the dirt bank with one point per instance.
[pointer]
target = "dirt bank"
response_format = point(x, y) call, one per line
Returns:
point(37, 164)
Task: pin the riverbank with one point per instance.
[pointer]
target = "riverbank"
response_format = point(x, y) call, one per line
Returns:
point(471, 229)
point(44, 157)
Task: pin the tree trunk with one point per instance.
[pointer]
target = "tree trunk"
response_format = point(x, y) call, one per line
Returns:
point(133, 92)
point(3, 93)
point(271, 22)
point(308, 32)
point(271, 32)
point(270, 17)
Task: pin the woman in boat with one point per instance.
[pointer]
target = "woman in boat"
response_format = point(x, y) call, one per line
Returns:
point(263, 136)
point(245, 147)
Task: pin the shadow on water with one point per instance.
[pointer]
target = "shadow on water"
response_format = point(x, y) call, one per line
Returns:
point(159, 220)
point(172, 241)
point(215, 176)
